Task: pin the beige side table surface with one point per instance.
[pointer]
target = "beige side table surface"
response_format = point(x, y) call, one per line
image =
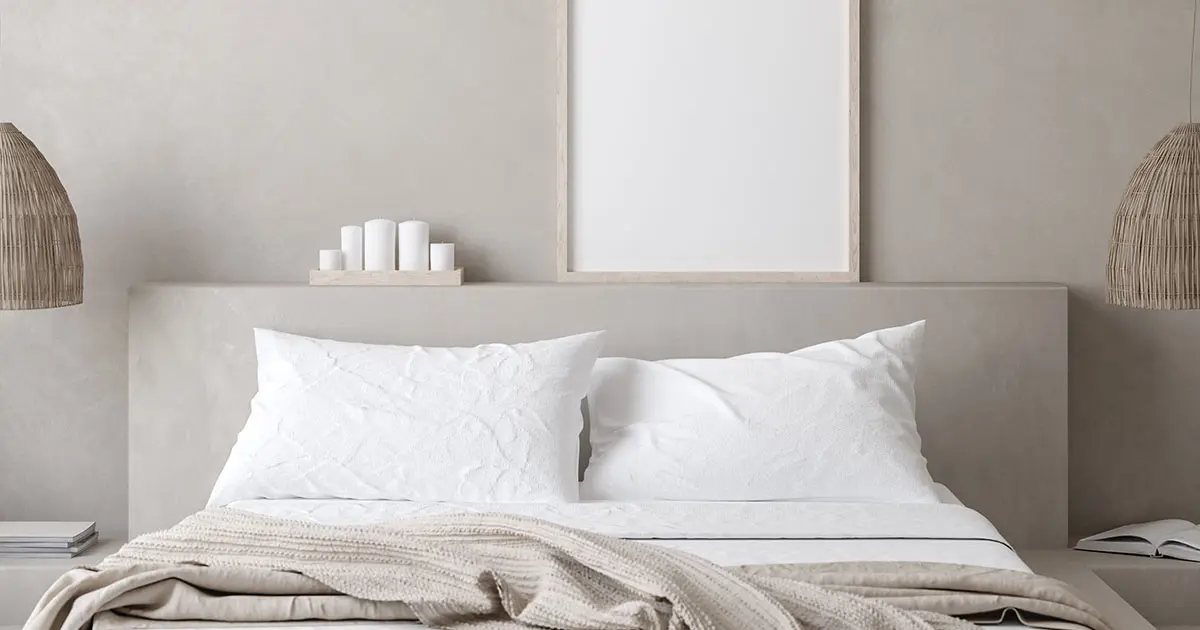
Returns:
point(1134, 592)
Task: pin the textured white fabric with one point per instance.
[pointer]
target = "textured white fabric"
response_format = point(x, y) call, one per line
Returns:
point(727, 533)
point(833, 421)
point(692, 520)
point(495, 423)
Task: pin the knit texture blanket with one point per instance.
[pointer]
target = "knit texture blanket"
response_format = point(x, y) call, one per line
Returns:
point(504, 572)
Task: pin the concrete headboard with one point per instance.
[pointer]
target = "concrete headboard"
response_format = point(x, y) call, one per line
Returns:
point(992, 392)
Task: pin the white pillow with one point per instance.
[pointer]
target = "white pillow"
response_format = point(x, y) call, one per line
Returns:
point(335, 420)
point(835, 421)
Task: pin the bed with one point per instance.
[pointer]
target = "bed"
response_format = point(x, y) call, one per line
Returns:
point(992, 404)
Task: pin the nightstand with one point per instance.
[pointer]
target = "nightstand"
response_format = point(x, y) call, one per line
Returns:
point(1136, 593)
point(24, 580)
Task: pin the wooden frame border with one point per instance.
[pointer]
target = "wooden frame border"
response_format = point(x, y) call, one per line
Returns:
point(563, 253)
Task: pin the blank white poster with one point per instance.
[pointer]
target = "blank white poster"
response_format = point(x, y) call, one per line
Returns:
point(710, 136)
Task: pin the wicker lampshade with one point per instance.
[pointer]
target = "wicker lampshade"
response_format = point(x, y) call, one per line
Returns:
point(41, 261)
point(1154, 253)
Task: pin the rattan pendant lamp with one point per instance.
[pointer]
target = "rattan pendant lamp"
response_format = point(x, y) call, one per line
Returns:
point(41, 261)
point(1154, 253)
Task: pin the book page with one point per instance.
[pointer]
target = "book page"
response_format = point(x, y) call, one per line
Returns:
point(1155, 532)
point(1189, 537)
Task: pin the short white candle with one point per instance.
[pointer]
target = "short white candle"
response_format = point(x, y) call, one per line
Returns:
point(331, 260)
point(441, 257)
point(352, 247)
point(414, 246)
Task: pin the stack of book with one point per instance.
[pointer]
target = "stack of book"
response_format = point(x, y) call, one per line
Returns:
point(45, 540)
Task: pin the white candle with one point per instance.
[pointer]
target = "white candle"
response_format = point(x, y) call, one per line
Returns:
point(414, 246)
point(352, 247)
point(441, 257)
point(379, 245)
point(331, 260)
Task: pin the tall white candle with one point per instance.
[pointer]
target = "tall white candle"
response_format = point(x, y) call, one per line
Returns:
point(414, 246)
point(441, 257)
point(331, 260)
point(352, 247)
point(379, 245)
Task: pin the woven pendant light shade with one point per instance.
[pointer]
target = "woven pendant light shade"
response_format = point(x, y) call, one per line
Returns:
point(41, 261)
point(1154, 253)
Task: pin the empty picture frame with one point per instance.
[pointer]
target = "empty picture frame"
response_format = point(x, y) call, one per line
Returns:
point(708, 140)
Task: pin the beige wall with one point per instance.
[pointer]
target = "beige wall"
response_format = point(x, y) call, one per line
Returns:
point(228, 139)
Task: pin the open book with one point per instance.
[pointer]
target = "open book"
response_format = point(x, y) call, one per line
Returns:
point(1173, 538)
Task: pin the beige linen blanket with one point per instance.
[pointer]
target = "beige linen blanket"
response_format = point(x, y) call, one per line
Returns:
point(501, 572)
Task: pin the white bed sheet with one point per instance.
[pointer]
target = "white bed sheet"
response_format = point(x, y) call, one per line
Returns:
point(724, 532)
point(728, 533)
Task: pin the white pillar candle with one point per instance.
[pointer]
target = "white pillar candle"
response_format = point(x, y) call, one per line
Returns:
point(352, 247)
point(414, 246)
point(379, 245)
point(441, 257)
point(331, 260)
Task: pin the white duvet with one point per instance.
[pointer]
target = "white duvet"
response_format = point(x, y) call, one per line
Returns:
point(729, 533)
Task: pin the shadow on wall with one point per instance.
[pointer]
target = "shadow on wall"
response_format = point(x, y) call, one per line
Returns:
point(471, 256)
point(866, 200)
point(1135, 413)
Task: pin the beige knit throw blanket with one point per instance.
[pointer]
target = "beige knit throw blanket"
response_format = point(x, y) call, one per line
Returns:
point(502, 572)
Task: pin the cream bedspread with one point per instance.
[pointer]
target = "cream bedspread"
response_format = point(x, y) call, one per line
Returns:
point(501, 571)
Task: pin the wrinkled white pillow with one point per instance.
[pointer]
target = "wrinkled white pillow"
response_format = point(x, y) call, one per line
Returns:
point(334, 420)
point(834, 421)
